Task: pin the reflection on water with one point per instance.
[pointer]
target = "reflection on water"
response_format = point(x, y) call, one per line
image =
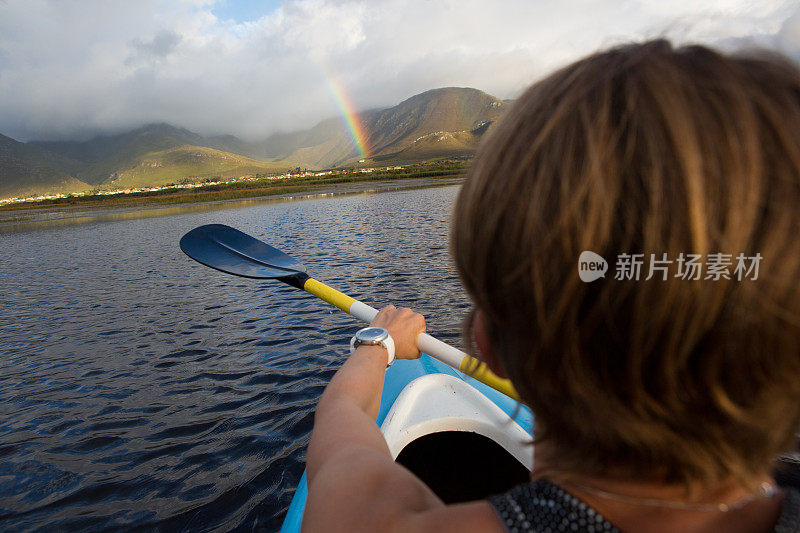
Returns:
point(142, 389)
point(34, 219)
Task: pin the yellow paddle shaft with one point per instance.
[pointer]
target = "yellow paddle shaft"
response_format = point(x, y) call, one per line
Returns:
point(426, 344)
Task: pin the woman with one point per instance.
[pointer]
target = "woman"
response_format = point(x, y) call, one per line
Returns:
point(663, 393)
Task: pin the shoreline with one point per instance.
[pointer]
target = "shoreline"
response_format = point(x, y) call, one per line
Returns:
point(27, 218)
point(245, 187)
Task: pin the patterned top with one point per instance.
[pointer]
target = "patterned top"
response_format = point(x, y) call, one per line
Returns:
point(544, 507)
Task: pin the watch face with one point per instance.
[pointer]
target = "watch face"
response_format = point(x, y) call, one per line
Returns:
point(372, 334)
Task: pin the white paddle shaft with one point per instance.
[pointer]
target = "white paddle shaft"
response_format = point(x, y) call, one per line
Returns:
point(426, 344)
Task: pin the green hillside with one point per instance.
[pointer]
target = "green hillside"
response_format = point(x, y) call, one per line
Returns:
point(187, 162)
point(333, 152)
point(281, 146)
point(149, 138)
point(434, 146)
point(27, 170)
point(37, 156)
point(21, 179)
point(106, 170)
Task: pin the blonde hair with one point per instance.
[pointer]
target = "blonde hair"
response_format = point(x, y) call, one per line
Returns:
point(645, 149)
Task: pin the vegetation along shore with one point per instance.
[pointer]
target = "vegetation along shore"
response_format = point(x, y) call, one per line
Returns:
point(210, 189)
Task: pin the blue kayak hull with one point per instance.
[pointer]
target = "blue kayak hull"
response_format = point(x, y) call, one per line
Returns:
point(400, 374)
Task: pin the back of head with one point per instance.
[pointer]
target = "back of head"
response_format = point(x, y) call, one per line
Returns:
point(650, 150)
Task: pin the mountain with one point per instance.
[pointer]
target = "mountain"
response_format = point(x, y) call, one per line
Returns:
point(182, 162)
point(438, 123)
point(445, 122)
point(282, 145)
point(19, 179)
point(455, 110)
point(37, 156)
point(158, 154)
point(103, 156)
point(27, 170)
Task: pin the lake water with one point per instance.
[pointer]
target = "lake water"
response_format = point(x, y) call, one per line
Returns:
point(142, 390)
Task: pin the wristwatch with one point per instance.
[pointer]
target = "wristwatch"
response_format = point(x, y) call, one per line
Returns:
point(374, 336)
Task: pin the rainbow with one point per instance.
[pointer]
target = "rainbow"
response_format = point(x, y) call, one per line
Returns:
point(351, 119)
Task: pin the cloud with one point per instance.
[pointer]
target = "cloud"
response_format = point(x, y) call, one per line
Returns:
point(160, 46)
point(79, 68)
point(788, 38)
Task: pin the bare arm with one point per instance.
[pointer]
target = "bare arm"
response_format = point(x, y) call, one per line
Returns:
point(345, 415)
point(354, 484)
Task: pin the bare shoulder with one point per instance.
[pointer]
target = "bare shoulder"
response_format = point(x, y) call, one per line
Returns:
point(478, 516)
point(360, 489)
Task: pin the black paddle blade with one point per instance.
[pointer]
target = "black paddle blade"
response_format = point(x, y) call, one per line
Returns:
point(231, 251)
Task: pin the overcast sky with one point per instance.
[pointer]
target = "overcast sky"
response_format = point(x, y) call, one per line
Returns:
point(77, 68)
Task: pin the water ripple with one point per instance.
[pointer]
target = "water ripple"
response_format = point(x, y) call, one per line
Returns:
point(143, 391)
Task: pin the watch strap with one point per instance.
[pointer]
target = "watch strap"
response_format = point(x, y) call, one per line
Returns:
point(387, 343)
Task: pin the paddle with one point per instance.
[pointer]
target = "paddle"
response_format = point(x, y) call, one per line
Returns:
point(231, 251)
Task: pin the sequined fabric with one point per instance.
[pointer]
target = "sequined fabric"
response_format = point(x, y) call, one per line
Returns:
point(543, 507)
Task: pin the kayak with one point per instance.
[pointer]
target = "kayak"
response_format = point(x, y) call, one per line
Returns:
point(464, 439)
